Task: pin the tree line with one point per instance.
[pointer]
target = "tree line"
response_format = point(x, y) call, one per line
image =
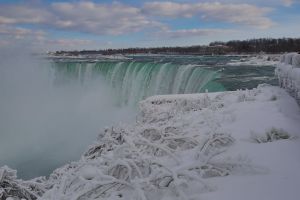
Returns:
point(267, 45)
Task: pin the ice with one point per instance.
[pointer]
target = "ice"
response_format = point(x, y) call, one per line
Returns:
point(288, 71)
point(296, 60)
point(257, 60)
point(288, 58)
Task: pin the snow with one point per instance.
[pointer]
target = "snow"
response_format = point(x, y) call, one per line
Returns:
point(89, 172)
point(288, 71)
point(280, 181)
point(257, 60)
point(273, 172)
point(227, 145)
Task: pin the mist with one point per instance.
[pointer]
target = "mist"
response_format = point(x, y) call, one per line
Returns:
point(44, 125)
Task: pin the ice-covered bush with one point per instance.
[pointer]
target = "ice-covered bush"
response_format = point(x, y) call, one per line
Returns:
point(11, 187)
point(160, 155)
point(135, 164)
point(247, 95)
point(271, 135)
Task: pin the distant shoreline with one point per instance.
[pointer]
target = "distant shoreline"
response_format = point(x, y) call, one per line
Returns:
point(234, 47)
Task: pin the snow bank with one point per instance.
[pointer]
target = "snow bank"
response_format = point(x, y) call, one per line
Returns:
point(288, 71)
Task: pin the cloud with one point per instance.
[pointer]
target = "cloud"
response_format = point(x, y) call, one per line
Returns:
point(288, 2)
point(18, 37)
point(243, 14)
point(11, 35)
point(111, 19)
point(24, 14)
point(67, 43)
point(20, 33)
point(187, 33)
point(117, 19)
point(83, 16)
point(114, 19)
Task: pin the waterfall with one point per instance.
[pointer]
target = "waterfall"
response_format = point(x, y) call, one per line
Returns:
point(134, 81)
point(50, 114)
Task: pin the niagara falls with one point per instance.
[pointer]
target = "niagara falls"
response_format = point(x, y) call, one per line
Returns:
point(149, 100)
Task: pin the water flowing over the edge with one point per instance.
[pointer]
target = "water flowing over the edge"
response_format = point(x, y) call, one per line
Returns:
point(134, 81)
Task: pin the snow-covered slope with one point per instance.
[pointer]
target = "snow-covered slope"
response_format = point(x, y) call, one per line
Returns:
point(288, 71)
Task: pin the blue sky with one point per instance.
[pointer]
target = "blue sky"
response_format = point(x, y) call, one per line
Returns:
point(100, 24)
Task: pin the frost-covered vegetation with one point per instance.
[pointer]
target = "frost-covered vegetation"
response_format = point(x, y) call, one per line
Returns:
point(156, 157)
point(270, 136)
point(10, 186)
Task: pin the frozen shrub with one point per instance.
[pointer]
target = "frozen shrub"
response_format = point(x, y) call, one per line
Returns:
point(13, 188)
point(247, 95)
point(271, 135)
point(143, 163)
point(153, 156)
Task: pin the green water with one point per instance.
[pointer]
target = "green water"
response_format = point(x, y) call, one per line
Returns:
point(143, 76)
point(133, 81)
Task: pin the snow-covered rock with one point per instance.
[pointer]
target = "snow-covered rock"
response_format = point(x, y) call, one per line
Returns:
point(288, 71)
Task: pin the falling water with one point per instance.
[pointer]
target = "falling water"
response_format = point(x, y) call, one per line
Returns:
point(134, 81)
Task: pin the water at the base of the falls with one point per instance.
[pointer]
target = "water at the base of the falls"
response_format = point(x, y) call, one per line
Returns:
point(51, 110)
